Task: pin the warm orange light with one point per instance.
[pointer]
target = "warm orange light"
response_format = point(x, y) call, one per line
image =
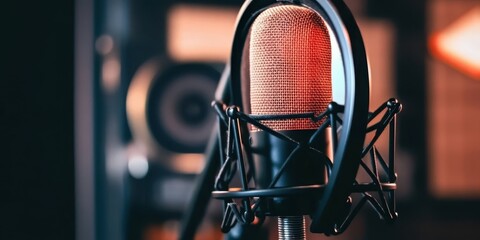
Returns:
point(200, 33)
point(459, 44)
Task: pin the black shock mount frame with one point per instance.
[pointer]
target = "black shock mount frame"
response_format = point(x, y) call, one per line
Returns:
point(236, 157)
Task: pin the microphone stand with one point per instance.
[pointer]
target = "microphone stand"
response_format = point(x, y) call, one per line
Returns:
point(202, 191)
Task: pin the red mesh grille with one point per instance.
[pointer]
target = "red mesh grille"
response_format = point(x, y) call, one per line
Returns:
point(290, 65)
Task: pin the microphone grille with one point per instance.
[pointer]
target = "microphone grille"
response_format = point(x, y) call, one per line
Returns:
point(290, 65)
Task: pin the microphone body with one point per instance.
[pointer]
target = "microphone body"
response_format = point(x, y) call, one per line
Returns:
point(290, 73)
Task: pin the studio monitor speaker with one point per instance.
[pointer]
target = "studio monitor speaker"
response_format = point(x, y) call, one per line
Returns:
point(174, 66)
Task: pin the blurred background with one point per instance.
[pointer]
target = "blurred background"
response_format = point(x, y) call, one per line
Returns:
point(104, 115)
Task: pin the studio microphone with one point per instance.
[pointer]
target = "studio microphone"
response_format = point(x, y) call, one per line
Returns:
point(293, 150)
point(290, 73)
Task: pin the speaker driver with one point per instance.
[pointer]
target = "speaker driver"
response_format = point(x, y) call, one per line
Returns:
point(178, 107)
point(169, 114)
